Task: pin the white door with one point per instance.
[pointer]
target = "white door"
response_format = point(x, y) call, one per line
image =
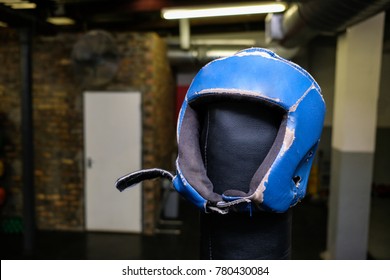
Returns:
point(112, 135)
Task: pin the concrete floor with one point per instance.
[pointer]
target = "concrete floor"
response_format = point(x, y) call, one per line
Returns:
point(308, 238)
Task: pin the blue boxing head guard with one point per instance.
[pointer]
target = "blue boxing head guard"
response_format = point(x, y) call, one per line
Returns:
point(265, 80)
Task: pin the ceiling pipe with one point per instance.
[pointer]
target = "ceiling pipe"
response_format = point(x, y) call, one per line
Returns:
point(185, 33)
point(304, 21)
point(204, 48)
point(202, 54)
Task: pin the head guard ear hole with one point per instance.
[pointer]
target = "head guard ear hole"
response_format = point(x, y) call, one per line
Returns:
point(297, 180)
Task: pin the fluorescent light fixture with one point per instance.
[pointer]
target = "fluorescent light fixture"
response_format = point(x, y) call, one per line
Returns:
point(12, 1)
point(21, 5)
point(60, 20)
point(223, 10)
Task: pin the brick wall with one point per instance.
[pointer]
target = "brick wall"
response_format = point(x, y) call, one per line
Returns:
point(58, 123)
point(10, 116)
point(57, 103)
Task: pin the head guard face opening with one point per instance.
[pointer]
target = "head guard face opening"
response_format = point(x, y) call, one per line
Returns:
point(258, 76)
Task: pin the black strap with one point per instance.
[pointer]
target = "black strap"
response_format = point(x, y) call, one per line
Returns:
point(131, 179)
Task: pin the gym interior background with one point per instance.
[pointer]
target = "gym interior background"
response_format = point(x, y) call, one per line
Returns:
point(48, 69)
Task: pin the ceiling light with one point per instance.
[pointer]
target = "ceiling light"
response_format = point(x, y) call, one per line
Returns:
point(11, 1)
point(21, 5)
point(60, 20)
point(3, 24)
point(222, 10)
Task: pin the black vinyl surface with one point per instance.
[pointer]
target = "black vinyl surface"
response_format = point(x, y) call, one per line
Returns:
point(236, 137)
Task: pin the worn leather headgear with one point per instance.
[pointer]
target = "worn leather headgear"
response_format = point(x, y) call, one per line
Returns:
point(260, 76)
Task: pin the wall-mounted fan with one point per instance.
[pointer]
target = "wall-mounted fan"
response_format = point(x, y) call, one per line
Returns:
point(95, 59)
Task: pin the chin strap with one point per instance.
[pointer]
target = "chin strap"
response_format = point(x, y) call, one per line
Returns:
point(222, 207)
point(131, 179)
